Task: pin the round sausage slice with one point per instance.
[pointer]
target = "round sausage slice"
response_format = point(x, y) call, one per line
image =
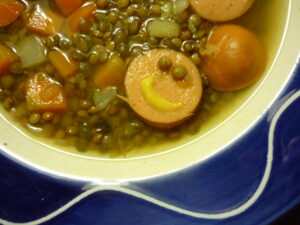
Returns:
point(155, 95)
point(236, 58)
point(221, 10)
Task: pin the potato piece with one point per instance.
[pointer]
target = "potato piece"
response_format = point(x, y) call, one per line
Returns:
point(32, 51)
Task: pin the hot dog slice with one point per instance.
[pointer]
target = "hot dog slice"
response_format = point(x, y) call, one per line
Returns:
point(221, 10)
point(155, 95)
point(236, 58)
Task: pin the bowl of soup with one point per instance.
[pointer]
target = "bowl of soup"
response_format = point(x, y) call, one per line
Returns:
point(152, 99)
point(118, 85)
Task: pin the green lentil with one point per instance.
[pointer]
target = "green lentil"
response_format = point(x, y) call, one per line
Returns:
point(196, 59)
point(113, 17)
point(97, 138)
point(7, 81)
point(134, 27)
point(50, 42)
point(94, 58)
point(34, 118)
point(110, 45)
point(84, 67)
point(78, 55)
point(194, 20)
point(47, 116)
point(179, 72)
point(93, 110)
point(81, 144)
point(85, 25)
point(123, 49)
point(65, 44)
point(164, 63)
point(103, 56)
point(82, 113)
point(101, 4)
point(71, 130)
point(176, 42)
point(213, 98)
point(153, 41)
point(60, 134)
point(155, 10)
point(188, 46)
point(186, 34)
point(108, 142)
point(8, 103)
point(48, 129)
point(142, 11)
point(103, 26)
point(131, 9)
point(122, 4)
point(16, 68)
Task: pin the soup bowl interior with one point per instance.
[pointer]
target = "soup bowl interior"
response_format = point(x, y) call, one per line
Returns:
point(225, 125)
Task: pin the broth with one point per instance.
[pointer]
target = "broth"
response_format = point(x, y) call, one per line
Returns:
point(214, 109)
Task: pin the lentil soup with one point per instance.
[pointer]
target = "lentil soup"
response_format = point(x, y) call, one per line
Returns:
point(63, 72)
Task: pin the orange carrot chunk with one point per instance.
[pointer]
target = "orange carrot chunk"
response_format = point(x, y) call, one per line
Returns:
point(64, 64)
point(43, 94)
point(111, 73)
point(10, 10)
point(37, 21)
point(68, 6)
point(7, 57)
point(85, 11)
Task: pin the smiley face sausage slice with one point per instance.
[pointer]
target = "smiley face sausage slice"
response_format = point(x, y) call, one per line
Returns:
point(159, 95)
point(221, 10)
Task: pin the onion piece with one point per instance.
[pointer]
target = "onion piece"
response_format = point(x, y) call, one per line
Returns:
point(31, 51)
point(103, 97)
point(163, 28)
point(179, 6)
point(167, 10)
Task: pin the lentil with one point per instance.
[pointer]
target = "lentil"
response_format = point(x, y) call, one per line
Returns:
point(164, 63)
point(179, 72)
point(16, 68)
point(85, 25)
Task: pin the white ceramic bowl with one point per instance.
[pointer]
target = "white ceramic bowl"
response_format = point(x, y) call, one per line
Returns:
point(278, 28)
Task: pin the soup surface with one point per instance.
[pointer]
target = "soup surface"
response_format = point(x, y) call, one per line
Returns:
point(74, 71)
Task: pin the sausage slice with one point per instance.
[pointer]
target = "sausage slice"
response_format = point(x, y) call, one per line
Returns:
point(221, 10)
point(155, 95)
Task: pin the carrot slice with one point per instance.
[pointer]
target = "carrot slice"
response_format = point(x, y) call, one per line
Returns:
point(37, 21)
point(10, 10)
point(64, 64)
point(110, 73)
point(43, 94)
point(7, 57)
point(155, 95)
point(68, 6)
point(85, 11)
